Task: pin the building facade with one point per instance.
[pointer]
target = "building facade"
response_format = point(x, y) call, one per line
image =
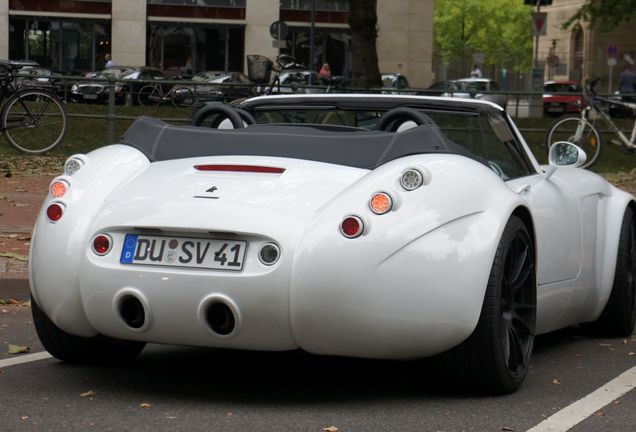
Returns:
point(580, 52)
point(74, 36)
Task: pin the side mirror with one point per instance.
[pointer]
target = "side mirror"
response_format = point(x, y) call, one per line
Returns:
point(566, 154)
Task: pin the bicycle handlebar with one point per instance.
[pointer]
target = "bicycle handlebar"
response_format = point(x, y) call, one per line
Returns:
point(589, 90)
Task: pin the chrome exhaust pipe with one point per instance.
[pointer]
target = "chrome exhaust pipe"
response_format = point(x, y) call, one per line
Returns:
point(132, 312)
point(220, 318)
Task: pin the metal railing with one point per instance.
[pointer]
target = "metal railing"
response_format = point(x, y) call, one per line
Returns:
point(517, 104)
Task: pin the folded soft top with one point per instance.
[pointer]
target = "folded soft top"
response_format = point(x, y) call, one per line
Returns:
point(161, 141)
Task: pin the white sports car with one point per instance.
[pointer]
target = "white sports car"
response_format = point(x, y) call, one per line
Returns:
point(377, 226)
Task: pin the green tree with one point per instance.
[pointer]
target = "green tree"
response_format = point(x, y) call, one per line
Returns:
point(499, 29)
point(605, 14)
point(363, 20)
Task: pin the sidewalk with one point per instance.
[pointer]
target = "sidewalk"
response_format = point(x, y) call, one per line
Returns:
point(21, 197)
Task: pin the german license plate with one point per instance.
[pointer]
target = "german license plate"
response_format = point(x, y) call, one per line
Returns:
point(183, 252)
point(90, 96)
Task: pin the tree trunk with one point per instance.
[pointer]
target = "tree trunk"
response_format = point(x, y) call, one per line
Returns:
point(363, 19)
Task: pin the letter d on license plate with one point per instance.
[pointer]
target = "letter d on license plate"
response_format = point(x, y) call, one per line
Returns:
point(183, 252)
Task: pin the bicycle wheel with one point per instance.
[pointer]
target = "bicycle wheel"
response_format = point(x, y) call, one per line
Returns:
point(33, 121)
point(150, 95)
point(182, 97)
point(577, 131)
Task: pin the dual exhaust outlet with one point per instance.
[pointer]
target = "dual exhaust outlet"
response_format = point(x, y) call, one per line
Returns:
point(216, 312)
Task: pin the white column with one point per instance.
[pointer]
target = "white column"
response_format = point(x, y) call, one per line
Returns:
point(4, 29)
point(259, 15)
point(128, 32)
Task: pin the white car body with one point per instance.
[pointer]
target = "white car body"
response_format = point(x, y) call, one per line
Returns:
point(412, 285)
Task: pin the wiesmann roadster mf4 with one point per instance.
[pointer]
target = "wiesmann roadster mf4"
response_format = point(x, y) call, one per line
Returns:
point(375, 226)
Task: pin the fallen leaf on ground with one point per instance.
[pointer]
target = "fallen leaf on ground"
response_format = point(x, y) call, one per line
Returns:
point(18, 349)
point(631, 354)
point(556, 382)
point(330, 429)
point(14, 256)
point(24, 417)
point(13, 302)
point(145, 405)
point(89, 393)
point(599, 414)
point(506, 428)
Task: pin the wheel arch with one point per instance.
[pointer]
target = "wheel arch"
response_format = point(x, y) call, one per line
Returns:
point(608, 237)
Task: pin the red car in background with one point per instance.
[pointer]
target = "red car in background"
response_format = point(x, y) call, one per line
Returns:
point(556, 102)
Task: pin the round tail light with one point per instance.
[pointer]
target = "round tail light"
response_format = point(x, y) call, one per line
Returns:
point(352, 227)
point(411, 179)
point(58, 188)
point(55, 211)
point(102, 244)
point(381, 203)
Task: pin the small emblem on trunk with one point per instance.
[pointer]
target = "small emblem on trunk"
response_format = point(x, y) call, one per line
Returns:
point(211, 190)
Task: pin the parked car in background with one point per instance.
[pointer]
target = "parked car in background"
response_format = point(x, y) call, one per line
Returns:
point(477, 88)
point(617, 110)
point(438, 88)
point(555, 100)
point(37, 76)
point(395, 83)
point(299, 81)
point(221, 86)
point(128, 81)
point(96, 90)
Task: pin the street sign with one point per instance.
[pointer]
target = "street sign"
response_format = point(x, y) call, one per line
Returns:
point(279, 30)
point(539, 23)
point(611, 61)
point(612, 49)
point(553, 60)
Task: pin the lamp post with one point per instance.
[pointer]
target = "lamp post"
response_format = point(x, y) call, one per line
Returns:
point(311, 38)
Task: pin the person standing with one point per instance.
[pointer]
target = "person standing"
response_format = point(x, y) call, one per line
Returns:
point(325, 71)
point(475, 72)
point(627, 80)
point(109, 62)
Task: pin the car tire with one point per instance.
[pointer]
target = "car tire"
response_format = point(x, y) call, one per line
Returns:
point(77, 349)
point(496, 357)
point(619, 315)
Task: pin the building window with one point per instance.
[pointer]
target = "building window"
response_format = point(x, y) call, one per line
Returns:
point(211, 3)
point(186, 50)
point(321, 5)
point(69, 46)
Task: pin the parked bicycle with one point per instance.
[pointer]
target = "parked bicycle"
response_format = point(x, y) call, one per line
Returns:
point(582, 131)
point(287, 75)
point(154, 94)
point(32, 119)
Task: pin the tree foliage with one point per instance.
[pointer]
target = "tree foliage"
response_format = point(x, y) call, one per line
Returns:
point(499, 29)
point(605, 14)
point(363, 20)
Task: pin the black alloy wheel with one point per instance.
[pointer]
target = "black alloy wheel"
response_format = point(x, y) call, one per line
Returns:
point(518, 305)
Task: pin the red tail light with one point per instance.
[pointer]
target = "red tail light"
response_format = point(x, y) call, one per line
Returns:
point(352, 227)
point(241, 168)
point(55, 211)
point(101, 244)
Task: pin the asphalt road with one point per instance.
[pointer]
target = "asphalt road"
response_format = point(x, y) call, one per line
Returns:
point(187, 389)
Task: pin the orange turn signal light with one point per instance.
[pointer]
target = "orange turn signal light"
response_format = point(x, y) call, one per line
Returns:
point(381, 203)
point(58, 188)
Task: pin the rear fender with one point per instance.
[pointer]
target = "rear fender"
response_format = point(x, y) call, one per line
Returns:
point(53, 271)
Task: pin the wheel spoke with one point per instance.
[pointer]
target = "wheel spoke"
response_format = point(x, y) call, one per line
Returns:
point(517, 359)
point(526, 324)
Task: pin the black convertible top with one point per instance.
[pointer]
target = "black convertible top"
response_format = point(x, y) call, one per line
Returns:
point(161, 141)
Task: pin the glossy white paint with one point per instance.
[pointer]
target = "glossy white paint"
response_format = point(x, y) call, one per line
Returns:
point(412, 285)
